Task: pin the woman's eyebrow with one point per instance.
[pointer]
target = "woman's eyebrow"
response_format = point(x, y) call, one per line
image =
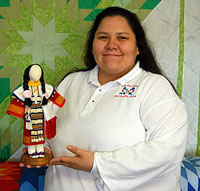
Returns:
point(98, 33)
point(123, 33)
point(118, 33)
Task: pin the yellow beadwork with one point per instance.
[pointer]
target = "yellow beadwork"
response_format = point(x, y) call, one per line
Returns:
point(34, 84)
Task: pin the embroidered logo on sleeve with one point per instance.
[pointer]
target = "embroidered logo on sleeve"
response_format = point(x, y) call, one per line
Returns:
point(127, 91)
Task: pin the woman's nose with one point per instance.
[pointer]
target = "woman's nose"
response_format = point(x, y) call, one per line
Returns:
point(111, 44)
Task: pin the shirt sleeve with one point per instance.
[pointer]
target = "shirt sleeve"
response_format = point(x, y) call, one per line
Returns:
point(165, 121)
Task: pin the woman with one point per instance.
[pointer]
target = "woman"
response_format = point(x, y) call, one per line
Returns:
point(123, 124)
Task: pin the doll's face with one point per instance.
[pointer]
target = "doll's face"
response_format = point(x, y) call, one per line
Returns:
point(35, 73)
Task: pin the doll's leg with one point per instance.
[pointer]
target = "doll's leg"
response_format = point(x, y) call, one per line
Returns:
point(32, 152)
point(40, 150)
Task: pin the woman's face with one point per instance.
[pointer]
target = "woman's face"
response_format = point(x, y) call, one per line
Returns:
point(114, 47)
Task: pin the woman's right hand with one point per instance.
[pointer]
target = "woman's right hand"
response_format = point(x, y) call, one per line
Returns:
point(25, 151)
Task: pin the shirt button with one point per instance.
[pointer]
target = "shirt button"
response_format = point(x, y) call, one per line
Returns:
point(93, 101)
point(100, 90)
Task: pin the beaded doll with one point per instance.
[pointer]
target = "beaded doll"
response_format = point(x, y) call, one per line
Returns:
point(30, 102)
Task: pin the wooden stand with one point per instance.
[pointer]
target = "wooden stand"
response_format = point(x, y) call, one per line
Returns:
point(36, 161)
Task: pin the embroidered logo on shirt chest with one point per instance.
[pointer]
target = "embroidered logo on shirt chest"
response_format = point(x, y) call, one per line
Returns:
point(127, 91)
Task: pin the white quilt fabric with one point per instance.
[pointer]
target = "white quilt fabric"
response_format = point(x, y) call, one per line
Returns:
point(162, 27)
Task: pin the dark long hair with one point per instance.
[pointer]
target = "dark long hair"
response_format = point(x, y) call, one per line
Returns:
point(145, 56)
point(26, 78)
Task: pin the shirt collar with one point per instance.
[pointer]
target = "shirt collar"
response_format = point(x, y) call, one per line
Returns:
point(93, 75)
point(130, 75)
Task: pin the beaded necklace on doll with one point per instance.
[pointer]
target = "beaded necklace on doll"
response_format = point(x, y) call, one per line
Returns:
point(35, 88)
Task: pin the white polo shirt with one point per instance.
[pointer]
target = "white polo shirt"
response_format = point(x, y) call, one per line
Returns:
point(136, 125)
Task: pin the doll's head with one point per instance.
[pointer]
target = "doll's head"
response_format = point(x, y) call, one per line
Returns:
point(34, 73)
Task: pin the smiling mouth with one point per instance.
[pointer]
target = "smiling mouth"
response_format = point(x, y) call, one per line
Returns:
point(111, 55)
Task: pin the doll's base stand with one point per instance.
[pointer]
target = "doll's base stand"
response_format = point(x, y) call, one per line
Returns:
point(36, 161)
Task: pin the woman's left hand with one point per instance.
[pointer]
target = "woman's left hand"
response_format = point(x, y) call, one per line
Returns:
point(82, 161)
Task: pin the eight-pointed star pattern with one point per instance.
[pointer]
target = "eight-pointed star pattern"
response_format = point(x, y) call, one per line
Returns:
point(43, 43)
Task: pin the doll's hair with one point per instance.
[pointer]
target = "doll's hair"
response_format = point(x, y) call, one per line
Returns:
point(26, 78)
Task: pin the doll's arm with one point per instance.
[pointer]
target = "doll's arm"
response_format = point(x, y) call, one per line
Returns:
point(50, 113)
point(16, 108)
point(51, 128)
point(57, 99)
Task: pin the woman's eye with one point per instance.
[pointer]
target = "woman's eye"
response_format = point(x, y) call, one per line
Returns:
point(102, 37)
point(121, 37)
